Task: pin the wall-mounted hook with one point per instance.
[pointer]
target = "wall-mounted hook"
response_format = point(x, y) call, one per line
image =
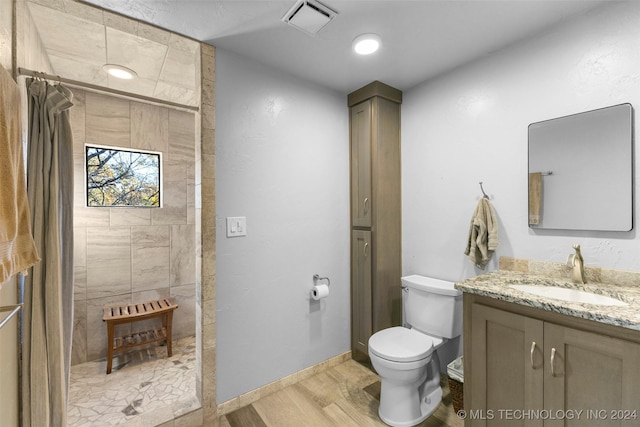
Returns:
point(483, 193)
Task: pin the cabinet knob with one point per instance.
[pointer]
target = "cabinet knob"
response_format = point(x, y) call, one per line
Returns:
point(553, 358)
point(366, 249)
point(365, 203)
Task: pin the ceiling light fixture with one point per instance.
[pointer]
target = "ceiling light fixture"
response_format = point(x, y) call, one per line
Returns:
point(366, 44)
point(120, 72)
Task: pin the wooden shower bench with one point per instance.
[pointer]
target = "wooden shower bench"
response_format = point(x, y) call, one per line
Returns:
point(130, 313)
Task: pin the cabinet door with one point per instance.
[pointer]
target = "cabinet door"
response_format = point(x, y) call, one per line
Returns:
point(386, 223)
point(361, 290)
point(596, 374)
point(361, 164)
point(506, 367)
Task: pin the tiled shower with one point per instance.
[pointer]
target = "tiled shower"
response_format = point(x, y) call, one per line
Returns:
point(124, 255)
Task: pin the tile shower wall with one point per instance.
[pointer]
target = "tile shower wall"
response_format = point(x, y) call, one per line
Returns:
point(124, 255)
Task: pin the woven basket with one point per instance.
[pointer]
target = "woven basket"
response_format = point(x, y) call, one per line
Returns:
point(456, 388)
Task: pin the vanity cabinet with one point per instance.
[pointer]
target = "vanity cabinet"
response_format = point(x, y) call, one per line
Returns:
point(587, 371)
point(376, 293)
point(519, 363)
point(501, 372)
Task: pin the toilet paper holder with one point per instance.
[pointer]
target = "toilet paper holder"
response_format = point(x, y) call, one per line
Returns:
point(317, 278)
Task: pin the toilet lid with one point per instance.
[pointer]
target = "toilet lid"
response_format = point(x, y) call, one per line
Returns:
point(400, 344)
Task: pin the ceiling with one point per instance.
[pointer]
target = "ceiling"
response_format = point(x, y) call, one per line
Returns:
point(80, 39)
point(420, 38)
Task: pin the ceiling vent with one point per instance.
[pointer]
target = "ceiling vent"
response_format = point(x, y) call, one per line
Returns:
point(309, 16)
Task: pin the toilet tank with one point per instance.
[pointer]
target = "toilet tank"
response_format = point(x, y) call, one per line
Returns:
point(432, 306)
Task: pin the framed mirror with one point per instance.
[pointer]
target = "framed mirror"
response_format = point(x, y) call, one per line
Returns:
point(581, 171)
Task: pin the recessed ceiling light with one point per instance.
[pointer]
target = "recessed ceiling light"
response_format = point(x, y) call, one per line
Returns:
point(366, 44)
point(119, 71)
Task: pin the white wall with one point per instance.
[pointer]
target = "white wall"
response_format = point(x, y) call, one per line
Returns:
point(470, 125)
point(282, 160)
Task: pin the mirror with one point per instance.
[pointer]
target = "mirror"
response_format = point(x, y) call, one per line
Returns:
point(581, 171)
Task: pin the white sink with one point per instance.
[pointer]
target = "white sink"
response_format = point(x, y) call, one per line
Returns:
point(566, 294)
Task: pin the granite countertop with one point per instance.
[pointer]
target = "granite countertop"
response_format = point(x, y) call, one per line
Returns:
point(496, 285)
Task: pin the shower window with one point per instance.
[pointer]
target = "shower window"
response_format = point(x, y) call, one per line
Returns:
point(123, 177)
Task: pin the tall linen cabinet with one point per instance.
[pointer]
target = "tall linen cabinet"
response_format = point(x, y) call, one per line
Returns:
point(376, 292)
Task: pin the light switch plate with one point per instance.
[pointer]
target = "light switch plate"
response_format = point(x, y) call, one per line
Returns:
point(236, 226)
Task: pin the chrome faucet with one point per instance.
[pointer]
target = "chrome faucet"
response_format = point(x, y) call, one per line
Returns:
point(577, 263)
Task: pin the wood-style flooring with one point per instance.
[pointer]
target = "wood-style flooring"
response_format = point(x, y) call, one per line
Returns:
point(346, 395)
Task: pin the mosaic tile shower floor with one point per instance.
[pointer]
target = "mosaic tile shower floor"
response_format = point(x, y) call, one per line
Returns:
point(144, 389)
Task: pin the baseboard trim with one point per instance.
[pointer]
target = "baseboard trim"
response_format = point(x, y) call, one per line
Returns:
point(253, 395)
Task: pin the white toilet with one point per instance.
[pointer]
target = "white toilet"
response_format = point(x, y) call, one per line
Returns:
point(406, 357)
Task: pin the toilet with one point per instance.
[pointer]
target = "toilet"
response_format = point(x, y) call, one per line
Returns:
point(406, 357)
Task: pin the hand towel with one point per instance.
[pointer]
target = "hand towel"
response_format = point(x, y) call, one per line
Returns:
point(17, 248)
point(483, 234)
point(535, 197)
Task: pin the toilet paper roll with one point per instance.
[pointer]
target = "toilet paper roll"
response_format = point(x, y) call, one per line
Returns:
point(319, 292)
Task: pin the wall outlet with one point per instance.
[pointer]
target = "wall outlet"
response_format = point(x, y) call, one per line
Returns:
point(236, 226)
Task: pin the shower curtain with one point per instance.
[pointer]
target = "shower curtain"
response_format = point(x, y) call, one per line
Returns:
point(48, 288)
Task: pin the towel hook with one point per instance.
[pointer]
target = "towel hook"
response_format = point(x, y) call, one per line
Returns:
point(483, 193)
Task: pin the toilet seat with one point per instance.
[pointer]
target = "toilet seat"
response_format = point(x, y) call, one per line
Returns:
point(399, 344)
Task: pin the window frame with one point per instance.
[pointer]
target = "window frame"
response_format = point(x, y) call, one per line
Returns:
point(87, 146)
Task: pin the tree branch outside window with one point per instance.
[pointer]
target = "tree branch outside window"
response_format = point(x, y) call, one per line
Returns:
point(122, 177)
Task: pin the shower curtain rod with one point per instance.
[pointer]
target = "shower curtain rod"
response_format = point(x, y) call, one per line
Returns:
point(83, 85)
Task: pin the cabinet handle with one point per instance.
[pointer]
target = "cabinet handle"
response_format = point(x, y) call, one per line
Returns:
point(533, 347)
point(553, 358)
point(366, 252)
point(366, 202)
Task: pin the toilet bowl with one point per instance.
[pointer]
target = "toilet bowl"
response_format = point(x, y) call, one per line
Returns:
point(406, 358)
point(409, 371)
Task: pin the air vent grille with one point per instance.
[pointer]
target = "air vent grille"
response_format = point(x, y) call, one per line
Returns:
point(309, 16)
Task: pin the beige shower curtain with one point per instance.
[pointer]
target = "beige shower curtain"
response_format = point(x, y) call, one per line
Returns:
point(48, 288)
